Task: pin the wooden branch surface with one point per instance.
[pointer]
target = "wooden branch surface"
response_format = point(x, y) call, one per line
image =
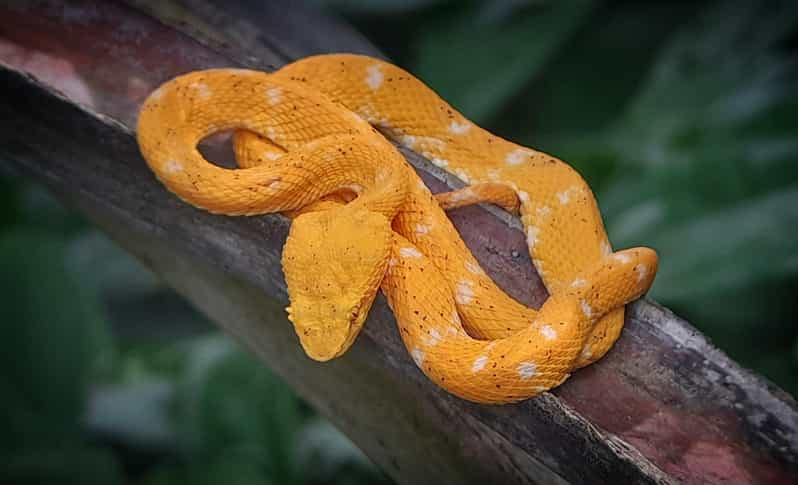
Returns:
point(663, 406)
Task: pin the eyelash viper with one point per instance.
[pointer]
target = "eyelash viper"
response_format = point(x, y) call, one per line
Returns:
point(307, 144)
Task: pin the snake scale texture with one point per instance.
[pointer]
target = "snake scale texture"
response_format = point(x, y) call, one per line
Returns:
point(313, 141)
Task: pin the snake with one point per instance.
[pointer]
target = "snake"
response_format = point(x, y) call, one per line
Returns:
point(317, 140)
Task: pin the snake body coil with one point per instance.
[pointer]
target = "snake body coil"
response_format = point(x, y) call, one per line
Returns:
point(362, 219)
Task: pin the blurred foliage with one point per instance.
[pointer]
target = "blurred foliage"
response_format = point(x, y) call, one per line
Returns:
point(682, 116)
point(99, 398)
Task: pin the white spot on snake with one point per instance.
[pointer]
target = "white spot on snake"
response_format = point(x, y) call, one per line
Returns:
point(430, 143)
point(565, 195)
point(422, 185)
point(532, 233)
point(275, 185)
point(622, 258)
point(465, 292)
point(642, 271)
point(517, 156)
point(462, 194)
point(275, 95)
point(459, 128)
point(356, 188)
point(578, 283)
point(374, 76)
point(410, 252)
point(473, 267)
point(381, 177)
point(527, 370)
point(384, 125)
point(172, 166)
point(456, 317)
point(356, 117)
point(272, 156)
point(462, 175)
point(418, 356)
point(543, 212)
point(392, 262)
point(241, 72)
point(548, 332)
point(422, 229)
point(606, 249)
point(494, 174)
point(479, 363)
point(538, 264)
point(329, 155)
point(523, 197)
point(586, 308)
point(368, 113)
point(587, 352)
point(408, 141)
point(157, 94)
point(271, 133)
point(439, 162)
point(433, 338)
point(202, 89)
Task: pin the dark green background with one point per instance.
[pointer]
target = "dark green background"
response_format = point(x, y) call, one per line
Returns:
point(682, 116)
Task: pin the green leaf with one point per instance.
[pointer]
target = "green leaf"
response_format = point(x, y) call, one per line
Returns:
point(323, 451)
point(135, 414)
point(590, 81)
point(65, 465)
point(141, 307)
point(713, 79)
point(729, 249)
point(232, 470)
point(53, 333)
point(9, 211)
point(478, 60)
point(38, 208)
point(232, 404)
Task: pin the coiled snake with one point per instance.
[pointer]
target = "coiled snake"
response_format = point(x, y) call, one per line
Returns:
point(307, 146)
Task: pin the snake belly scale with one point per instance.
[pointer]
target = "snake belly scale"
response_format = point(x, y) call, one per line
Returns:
point(313, 141)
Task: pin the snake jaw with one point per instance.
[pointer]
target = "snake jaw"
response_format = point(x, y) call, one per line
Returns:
point(334, 262)
point(323, 334)
point(326, 330)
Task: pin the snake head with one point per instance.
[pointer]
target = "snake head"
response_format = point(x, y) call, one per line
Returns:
point(334, 262)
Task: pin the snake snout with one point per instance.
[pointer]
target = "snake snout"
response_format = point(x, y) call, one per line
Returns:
point(325, 329)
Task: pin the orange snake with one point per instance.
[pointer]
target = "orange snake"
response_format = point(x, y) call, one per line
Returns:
point(307, 146)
